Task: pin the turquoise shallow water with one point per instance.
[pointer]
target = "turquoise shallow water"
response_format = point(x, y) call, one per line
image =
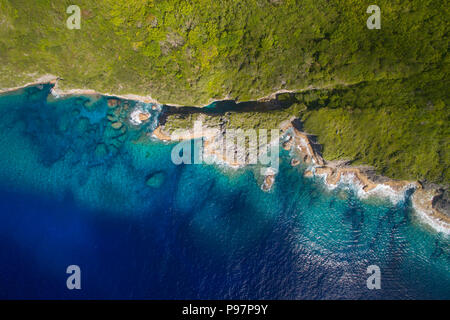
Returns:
point(73, 191)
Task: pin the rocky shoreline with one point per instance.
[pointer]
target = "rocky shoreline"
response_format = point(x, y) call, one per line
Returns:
point(431, 202)
point(425, 199)
point(57, 92)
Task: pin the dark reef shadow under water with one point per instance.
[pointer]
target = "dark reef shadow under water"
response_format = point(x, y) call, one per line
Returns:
point(74, 190)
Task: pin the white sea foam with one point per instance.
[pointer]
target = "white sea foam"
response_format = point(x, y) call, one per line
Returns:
point(54, 92)
point(381, 190)
point(270, 171)
point(385, 191)
point(140, 109)
point(439, 226)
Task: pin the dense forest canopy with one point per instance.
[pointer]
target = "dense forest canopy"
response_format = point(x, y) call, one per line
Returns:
point(189, 52)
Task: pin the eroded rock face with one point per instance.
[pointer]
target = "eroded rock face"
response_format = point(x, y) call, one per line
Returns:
point(364, 178)
point(295, 162)
point(334, 173)
point(428, 203)
point(303, 144)
point(442, 202)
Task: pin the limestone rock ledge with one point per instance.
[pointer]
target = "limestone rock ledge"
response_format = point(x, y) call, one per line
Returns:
point(160, 134)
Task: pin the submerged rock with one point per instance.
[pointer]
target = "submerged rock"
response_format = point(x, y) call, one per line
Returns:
point(101, 150)
point(82, 125)
point(116, 125)
point(112, 103)
point(156, 179)
point(117, 111)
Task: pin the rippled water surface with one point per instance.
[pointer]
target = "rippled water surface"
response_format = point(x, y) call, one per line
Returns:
point(75, 190)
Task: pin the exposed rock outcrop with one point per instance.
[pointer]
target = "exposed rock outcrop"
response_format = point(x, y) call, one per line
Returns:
point(430, 203)
point(427, 203)
point(432, 206)
point(303, 143)
point(295, 162)
point(269, 180)
point(159, 134)
point(112, 102)
point(144, 116)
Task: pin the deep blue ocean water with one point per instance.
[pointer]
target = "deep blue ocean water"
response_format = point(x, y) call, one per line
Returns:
point(73, 191)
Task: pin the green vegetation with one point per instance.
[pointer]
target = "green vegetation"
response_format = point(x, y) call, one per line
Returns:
point(188, 52)
point(235, 120)
point(186, 121)
point(264, 120)
point(404, 134)
point(382, 95)
point(397, 127)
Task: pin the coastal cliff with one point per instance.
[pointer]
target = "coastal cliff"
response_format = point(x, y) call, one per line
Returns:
point(433, 207)
point(430, 202)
